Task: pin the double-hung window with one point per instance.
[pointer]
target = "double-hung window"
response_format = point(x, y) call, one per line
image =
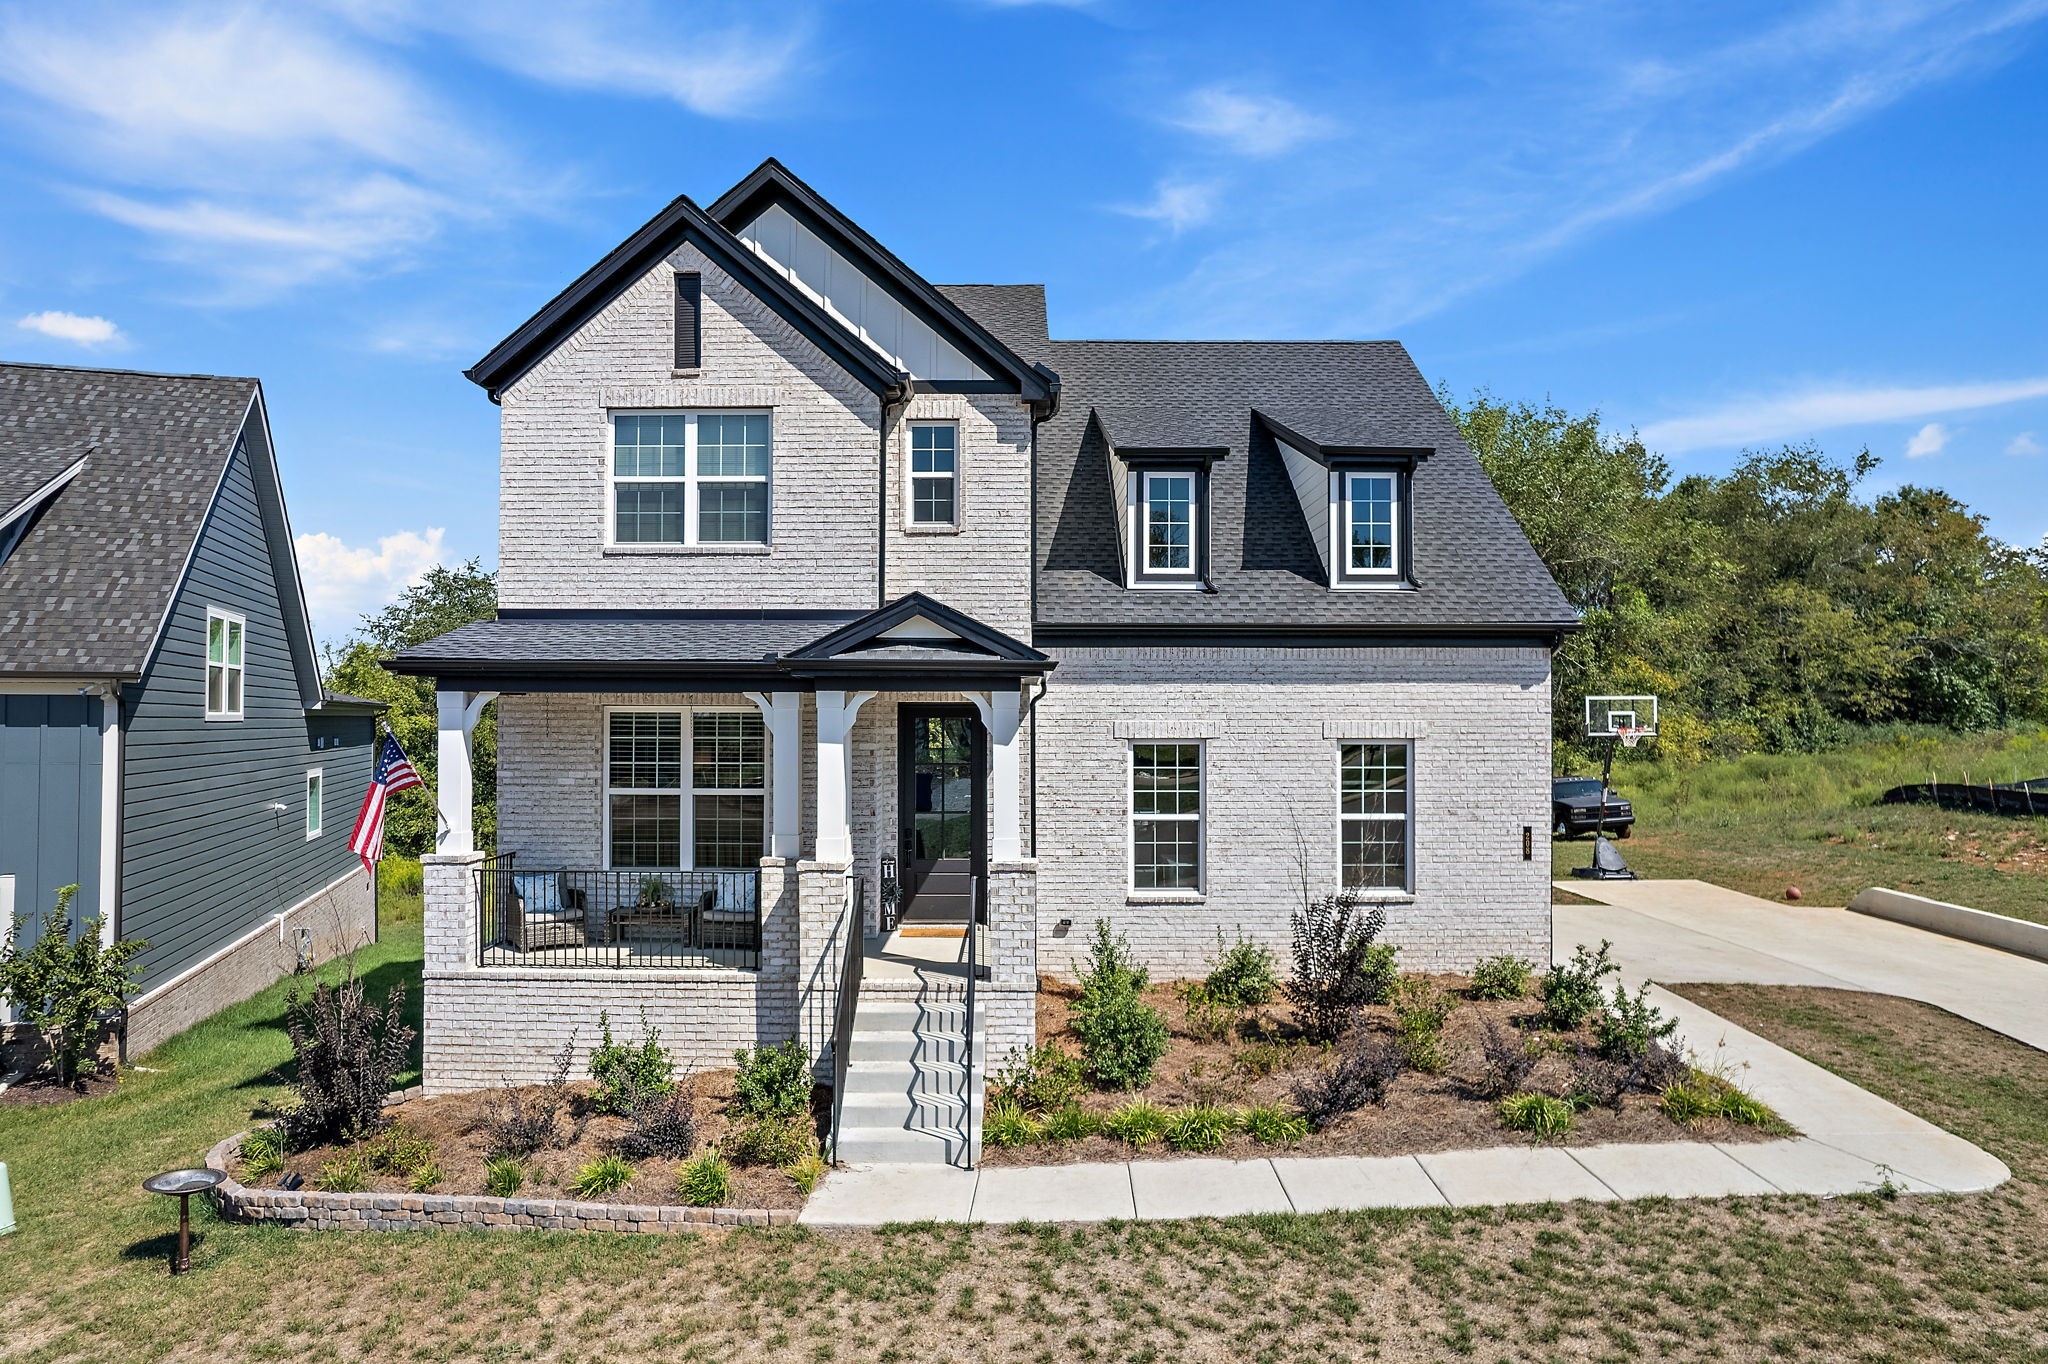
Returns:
point(663, 797)
point(1167, 511)
point(315, 814)
point(1166, 816)
point(1371, 524)
point(934, 474)
point(225, 641)
point(690, 478)
point(1373, 815)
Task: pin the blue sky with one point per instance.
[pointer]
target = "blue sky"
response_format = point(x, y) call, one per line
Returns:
point(1728, 225)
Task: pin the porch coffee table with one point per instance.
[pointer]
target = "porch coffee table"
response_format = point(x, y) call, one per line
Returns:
point(673, 918)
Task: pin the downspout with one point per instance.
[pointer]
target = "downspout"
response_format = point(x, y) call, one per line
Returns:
point(110, 810)
point(894, 400)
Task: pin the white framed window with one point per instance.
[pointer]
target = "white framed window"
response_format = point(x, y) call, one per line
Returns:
point(1166, 816)
point(226, 640)
point(1166, 523)
point(689, 478)
point(934, 474)
point(685, 788)
point(1368, 524)
point(316, 781)
point(1373, 815)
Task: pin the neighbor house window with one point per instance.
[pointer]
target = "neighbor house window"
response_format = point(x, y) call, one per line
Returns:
point(314, 814)
point(224, 645)
point(1373, 805)
point(1166, 816)
point(1371, 506)
point(934, 474)
point(663, 797)
point(1166, 524)
point(690, 478)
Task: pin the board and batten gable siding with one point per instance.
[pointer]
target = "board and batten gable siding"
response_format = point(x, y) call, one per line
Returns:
point(206, 858)
point(50, 804)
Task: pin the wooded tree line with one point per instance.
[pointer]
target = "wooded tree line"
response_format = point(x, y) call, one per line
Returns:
point(1769, 608)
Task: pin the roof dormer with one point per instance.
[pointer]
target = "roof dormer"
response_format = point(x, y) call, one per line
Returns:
point(1358, 502)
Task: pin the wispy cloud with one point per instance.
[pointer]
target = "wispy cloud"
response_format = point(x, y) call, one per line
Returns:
point(1177, 205)
point(1247, 123)
point(1930, 439)
point(2023, 444)
point(346, 582)
point(93, 333)
point(1796, 415)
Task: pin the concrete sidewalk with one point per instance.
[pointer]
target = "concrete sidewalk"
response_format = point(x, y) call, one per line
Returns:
point(1693, 931)
point(1851, 1141)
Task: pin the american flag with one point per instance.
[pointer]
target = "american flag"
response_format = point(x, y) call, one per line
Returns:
point(394, 774)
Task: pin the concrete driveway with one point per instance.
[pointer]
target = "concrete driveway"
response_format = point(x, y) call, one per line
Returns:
point(1672, 931)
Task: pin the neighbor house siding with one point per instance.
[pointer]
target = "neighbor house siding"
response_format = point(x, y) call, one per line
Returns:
point(206, 857)
point(50, 803)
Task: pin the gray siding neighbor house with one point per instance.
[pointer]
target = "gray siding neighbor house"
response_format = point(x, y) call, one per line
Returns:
point(165, 743)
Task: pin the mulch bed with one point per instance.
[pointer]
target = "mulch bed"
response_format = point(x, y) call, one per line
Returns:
point(454, 1123)
point(1422, 1112)
point(41, 1088)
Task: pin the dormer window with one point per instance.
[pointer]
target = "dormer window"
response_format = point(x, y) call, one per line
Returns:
point(1167, 530)
point(1371, 518)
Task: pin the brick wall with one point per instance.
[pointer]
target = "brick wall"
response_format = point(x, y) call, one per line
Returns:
point(984, 567)
point(1271, 721)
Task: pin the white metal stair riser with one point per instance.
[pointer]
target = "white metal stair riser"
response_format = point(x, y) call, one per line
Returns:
point(904, 1078)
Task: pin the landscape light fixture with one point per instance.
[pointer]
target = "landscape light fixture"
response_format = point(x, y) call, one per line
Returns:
point(182, 1184)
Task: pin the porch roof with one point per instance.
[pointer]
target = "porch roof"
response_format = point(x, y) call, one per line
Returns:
point(912, 644)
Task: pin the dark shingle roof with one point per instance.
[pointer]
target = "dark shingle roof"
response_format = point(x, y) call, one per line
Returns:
point(1473, 567)
point(87, 588)
point(1013, 313)
point(550, 642)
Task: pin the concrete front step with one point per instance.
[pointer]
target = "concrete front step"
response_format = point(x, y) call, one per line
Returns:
point(941, 1111)
point(895, 1146)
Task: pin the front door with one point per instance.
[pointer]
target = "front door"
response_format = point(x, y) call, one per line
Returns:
point(943, 820)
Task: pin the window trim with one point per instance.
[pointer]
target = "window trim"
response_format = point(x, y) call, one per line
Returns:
point(1342, 574)
point(316, 802)
point(911, 475)
point(239, 672)
point(1196, 573)
point(686, 824)
point(1407, 818)
point(1200, 817)
point(689, 479)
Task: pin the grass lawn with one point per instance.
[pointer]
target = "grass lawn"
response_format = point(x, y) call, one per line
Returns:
point(1762, 823)
point(1857, 1278)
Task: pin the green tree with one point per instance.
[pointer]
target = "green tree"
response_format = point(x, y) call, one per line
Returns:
point(446, 599)
point(63, 985)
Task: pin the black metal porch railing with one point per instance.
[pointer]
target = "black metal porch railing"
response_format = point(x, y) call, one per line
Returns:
point(852, 964)
point(561, 916)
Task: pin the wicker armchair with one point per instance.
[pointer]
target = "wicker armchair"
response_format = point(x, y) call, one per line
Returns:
point(528, 928)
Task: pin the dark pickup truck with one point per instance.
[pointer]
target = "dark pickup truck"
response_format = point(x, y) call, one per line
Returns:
point(1575, 809)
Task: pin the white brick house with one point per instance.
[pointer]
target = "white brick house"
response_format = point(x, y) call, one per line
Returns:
point(830, 598)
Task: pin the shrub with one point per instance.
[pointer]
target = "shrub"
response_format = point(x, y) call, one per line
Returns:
point(1122, 1037)
point(345, 1053)
point(398, 1150)
point(1261, 1059)
point(1541, 1116)
point(1111, 965)
point(606, 1174)
point(623, 1070)
point(1209, 1019)
point(660, 1122)
point(1272, 1125)
point(1367, 1064)
point(1421, 1008)
point(806, 1173)
point(1596, 1082)
point(705, 1181)
point(347, 1172)
point(770, 1141)
point(60, 988)
point(1501, 978)
point(503, 1175)
point(1071, 1123)
point(517, 1123)
point(1200, 1127)
point(1039, 1078)
point(1005, 1123)
point(1571, 991)
point(1506, 1060)
point(1629, 1025)
point(262, 1153)
point(1243, 973)
point(423, 1177)
point(773, 1082)
point(1338, 966)
point(1139, 1122)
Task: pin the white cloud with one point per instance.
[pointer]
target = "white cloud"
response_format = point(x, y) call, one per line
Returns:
point(1176, 204)
point(1930, 439)
point(1249, 124)
point(344, 583)
point(90, 332)
point(1792, 416)
point(2023, 444)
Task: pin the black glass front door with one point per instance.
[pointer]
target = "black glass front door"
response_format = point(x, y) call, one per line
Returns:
point(942, 815)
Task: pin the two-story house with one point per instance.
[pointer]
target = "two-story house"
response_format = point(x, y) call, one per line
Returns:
point(831, 598)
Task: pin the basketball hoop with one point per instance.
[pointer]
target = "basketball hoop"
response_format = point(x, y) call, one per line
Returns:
point(1630, 735)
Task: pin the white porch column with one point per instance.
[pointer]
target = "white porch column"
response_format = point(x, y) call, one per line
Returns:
point(455, 786)
point(782, 713)
point(1001, 713)
point(836, 712)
